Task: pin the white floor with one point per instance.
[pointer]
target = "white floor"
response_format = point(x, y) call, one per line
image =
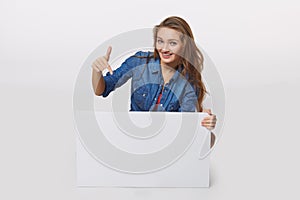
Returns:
point(257, 156)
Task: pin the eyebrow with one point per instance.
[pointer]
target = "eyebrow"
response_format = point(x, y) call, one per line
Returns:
point(168, 40)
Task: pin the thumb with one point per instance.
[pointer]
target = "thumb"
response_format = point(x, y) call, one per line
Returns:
point(207, 111)
point(108, 52)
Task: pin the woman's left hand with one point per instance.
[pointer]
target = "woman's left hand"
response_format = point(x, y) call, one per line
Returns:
point(209, 122)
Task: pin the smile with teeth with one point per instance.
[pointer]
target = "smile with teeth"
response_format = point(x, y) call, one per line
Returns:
point(166, 55)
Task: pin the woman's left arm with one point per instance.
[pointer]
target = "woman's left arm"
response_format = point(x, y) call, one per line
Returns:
point(209, 122)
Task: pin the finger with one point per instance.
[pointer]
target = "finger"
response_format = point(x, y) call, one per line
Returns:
point(110, 69)
point(208, 122)
point(206, 118)
point(95, 68)
point(209, 125)
point(98, 62)
point(103, 63)
point(108, 52)
point(209, 118)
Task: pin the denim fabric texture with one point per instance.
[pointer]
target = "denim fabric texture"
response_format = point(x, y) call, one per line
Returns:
point(147, 83)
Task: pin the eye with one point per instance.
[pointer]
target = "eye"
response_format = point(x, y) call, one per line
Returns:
point(159, 41)
point(173, 43)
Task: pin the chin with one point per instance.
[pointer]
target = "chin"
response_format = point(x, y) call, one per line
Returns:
point(167, 61)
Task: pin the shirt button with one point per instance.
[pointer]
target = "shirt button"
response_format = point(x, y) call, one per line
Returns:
point(144, 95)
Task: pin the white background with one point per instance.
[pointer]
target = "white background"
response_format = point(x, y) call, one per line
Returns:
point(254, 44)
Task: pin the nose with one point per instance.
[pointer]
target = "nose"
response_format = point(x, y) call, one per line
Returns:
point(165, 47)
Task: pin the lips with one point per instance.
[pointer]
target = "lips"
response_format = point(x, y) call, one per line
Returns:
point(166, 55)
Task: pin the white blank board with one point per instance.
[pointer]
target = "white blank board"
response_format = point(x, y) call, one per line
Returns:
point(188, 169)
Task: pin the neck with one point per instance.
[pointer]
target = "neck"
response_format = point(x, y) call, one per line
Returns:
point(169, 67)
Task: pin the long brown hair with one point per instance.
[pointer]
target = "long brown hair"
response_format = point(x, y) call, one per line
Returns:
point(191, 58)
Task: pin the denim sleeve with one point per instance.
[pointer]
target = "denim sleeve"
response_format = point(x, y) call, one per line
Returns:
point(121, 75)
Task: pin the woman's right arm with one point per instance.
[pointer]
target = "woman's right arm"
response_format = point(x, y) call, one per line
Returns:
point(99, 65)
point(98, 82)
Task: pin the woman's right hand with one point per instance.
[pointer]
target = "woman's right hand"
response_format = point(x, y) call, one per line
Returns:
point(101, 63)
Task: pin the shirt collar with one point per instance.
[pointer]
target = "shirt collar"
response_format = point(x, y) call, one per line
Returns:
point(156, 69)
point(155, 66)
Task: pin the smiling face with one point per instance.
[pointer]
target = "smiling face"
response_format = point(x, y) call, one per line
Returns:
point(169, 46)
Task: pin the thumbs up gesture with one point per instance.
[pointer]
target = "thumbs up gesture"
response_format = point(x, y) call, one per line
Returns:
point(101, 63)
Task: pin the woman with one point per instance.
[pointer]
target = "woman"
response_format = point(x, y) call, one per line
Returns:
point(168, 79)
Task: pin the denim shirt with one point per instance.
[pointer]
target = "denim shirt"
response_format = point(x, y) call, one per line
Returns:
point(147, 82)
